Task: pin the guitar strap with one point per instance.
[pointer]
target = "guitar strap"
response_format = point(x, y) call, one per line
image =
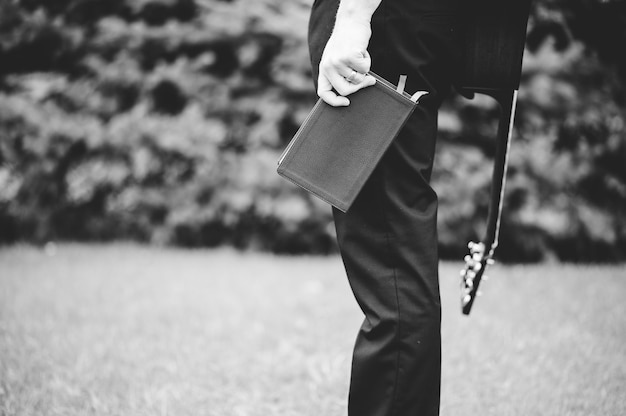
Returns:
point(497, 175)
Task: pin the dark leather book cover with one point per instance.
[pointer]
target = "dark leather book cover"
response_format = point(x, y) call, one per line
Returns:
point(337, 148)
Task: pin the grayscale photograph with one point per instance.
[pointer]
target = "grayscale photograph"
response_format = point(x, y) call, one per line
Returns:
point(312, 208)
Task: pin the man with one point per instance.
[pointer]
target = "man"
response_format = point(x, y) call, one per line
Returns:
point(388, 238)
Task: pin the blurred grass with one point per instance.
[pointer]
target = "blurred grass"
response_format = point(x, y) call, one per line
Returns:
point(128, 330)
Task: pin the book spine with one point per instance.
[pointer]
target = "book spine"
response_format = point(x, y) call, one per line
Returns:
point(390, 86)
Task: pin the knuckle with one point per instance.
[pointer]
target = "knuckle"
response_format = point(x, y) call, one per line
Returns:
point(353, 89)
point(337, 65)
point(341, 89)
point(344, 90)
point(342, 61)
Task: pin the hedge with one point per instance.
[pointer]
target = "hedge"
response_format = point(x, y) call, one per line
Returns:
point(161, 121)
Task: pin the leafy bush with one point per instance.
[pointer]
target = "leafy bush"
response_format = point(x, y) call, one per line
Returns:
point(162, 121)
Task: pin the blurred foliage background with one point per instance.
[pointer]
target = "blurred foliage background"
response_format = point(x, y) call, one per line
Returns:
point(161, 121)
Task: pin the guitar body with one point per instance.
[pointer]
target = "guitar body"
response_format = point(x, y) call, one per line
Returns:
point(494, 38)
point(494, 33)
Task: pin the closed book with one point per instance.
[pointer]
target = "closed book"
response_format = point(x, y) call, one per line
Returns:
point(336, 149)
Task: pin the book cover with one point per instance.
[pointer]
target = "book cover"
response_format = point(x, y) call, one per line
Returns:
point(336, 148)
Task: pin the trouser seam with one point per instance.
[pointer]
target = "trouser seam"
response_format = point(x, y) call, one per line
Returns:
point(395, 393)
point(396, 388)
point(384, 212)
point(397, 338)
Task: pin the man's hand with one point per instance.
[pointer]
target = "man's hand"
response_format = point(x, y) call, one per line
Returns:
point(345, 61)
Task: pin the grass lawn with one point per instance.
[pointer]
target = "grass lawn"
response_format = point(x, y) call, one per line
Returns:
point(128, 330)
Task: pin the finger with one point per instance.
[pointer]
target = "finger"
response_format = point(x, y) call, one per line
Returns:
point(363, 80)
point(368, 81)
point(361, 63)
point(353, 76)
point(325, 92)
point(333, 99)
point(343, 87)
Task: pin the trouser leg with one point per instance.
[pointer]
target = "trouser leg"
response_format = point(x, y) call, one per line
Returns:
point(388, 243)
point(388, 238)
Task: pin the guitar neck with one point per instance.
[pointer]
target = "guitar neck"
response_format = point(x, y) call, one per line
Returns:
point(507, 101)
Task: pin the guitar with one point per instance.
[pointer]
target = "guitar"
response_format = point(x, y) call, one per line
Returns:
point(495, 34)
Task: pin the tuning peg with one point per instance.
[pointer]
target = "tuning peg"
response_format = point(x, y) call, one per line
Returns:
point(463, 272)
point(467, 259)
point(469, 283)
point(477, 256)
point(471, 274)
point(466, 299)
point(471, 245)
point(477, 248)
point(477, 266)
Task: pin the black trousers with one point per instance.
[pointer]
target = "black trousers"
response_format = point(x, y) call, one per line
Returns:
point(388, 238)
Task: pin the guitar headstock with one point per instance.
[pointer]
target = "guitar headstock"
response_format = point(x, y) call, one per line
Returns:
point(475, 264)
